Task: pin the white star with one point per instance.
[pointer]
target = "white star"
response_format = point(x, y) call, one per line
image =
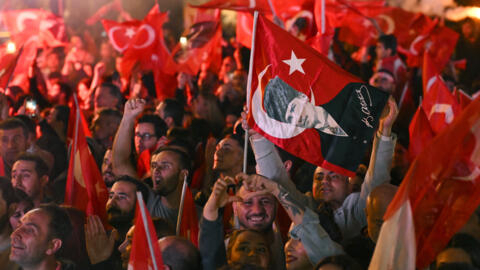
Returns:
point(154, 57)
point(295, 63)
point(130, 32)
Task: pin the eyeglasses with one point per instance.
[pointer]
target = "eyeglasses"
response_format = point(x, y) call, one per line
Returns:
point(144, 136)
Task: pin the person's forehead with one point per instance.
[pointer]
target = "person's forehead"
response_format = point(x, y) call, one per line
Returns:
point(228, 142)
point(166, 156)
point(11, 131)
point(250, 237)
point(144, 127)
point(24, 165)
point(123, 187)
point(37, 218)
point(254, 196)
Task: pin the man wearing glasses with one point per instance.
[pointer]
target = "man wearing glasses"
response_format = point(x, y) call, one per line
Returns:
point(148, 133)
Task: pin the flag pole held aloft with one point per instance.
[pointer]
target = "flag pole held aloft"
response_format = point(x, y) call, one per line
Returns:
point(249, 87)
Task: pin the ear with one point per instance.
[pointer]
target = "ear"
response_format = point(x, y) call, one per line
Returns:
point(43, 180)
point(55, 245)
point(169, 121)
point(288, 165)
point(11, 209)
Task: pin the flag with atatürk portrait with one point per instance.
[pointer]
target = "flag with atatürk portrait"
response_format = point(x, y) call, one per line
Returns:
point(307, 105)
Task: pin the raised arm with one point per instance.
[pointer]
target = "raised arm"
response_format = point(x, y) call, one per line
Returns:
point(122, 144)
point(306, 225)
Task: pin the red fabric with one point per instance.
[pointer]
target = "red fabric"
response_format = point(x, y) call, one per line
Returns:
point(203, 46)
point(244, 28)
point(2, 167)
point(189, 226)
point(85, 188)
point(120, 34)
point(140, 254)
point(7, 65)
point(143, 163)
point(283, 8)
point(463, 98)
point(322, 81)
point(439, 103)
point(420, 133)
point(443, 185)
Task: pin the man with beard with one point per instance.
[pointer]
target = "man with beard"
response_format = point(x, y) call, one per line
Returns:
point(107, 172)
point(169, 168)
point(102, 248)
point(30, 174)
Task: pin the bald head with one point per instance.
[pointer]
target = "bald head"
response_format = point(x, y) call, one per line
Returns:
point(377, 203)
point(179, 253)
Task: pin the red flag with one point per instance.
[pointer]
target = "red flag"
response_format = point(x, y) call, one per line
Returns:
point(8, 62)
point(301, 101)
point(420, 133)
point(145, 252)
point(244, 28)
point(115, 5)
point(203, 45)
point(143, 163)
point(189, 225)
point(85, 188)
point(441, 191)
point(439, 103)
point(463, 98)
point(47, 28)
point(142, 42)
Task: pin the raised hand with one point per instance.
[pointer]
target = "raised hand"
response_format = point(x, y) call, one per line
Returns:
point(99, 245)
point(219, 198)
point(133, 107)
point(389, 115)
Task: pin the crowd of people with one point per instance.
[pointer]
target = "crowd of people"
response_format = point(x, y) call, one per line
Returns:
point(282, 213)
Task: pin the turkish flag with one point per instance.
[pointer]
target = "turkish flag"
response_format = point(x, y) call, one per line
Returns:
point(438, 195)
point(307, 105)
point(439, 103)
point(85, 189)
point(204, 39)
point(142, 42)
point(47, 28)
point(145, 250)
point(115, 5)
point(8, 62)
point(420, 133)
point(189, 226)
point(244, 28)
point(463, 98)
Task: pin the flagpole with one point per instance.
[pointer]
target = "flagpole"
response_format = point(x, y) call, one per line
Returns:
point(180, 208)
point(73, 151)
point(147, 231)
point(322, 15)
point(249, 87)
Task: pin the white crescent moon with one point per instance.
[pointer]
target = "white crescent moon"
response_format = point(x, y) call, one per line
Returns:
point(24, 16)
point(269, 125)
point(114, 43)
point(474, 157)
point(151, 36)
point(390, 23)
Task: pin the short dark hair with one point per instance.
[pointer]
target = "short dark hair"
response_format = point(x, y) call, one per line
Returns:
point(114, 91)
point(183, 158)
point(389, 42)
point(157, 122)
point(63, 113)
point(344, 262)
point(105, 112)
point(8, 193)
point(278, 95)
point(173, 109)
point(41, 167)
point(13, 123)
point(182, 255)
point(28, 122)
point(60, 225)
point(139, 185)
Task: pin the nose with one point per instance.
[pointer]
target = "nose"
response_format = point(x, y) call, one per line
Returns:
point(123, 247)
point(257, 208)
